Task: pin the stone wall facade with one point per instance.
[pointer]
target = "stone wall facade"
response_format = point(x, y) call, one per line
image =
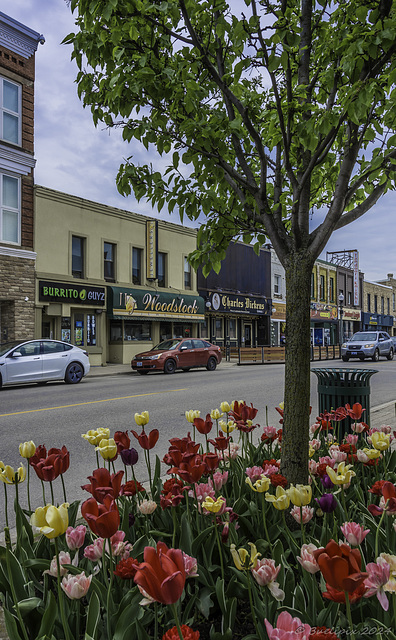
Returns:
point(16, 298)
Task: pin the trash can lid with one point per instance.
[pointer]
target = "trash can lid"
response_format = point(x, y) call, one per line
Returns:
point(343, 374)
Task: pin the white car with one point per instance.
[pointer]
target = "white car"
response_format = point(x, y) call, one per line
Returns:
point(41, 361)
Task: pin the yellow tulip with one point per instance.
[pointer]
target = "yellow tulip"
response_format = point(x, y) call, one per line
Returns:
point(261, 485)
point(242, 559)
point(215, 414)
point(9, 476)
point(342, 475)
point(225, 407)
point(213, 506)
point(311, 451)
point(372, 454)
point(107, 449)
point(191, 415)
point(380, 441)
point(94, 436)
point(281, 405)
point(300, 495)
point(280, 500)
point(27, 449)
point(52, 521)
point(227, 427)
point(142, 418)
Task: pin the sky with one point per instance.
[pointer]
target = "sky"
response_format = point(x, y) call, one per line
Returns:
point(76, 158)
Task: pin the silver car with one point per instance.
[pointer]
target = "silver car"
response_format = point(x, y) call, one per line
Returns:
point(41, 361)
point(368, 344)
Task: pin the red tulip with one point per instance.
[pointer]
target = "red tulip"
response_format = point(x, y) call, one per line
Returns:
point(341, 567)
point(50, 467)
point(126, 568)
point(221, 442)
point(187, 633)
point(131, 488)
point(388, 490)
point(147, 441)
point(211, 461)
point(356, 412)
point(103, 519)
point(103, 483)
point(190, 471)
point(204, 426)
point(40, 454)
point(339, 596)
point(122, 440)
point(162, 574)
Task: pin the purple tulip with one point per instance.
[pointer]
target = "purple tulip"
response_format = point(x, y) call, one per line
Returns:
point(129, 456)
point(326, 482)
point(327, 503)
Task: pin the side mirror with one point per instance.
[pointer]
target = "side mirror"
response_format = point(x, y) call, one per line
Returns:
point(183, 348)
point(16, 354)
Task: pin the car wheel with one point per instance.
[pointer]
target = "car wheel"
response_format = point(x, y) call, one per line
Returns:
point(345, 358)
point(142, 373)
point(74, 373)
point(212, 364)
point(170, 366)
point(390, 355)
point(376, 356)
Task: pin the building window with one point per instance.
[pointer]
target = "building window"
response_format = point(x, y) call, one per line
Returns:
point(109, 261)
point(182, 330)
point(349, 298)
point(78, 257)
point(219, 327)
point(137, 330)
point(161, 269)
point(232, 328)
point(393, 301)
point(136, 265)
point(277, 285)
point(10, 209)
point(332, 289)
point(10, 111)
point(313, 286)
point(388, 306)
point(375, 304)
point(369, 302)
point(187, 274)
point(322, 291)
point(382, 305)
point(204, 329)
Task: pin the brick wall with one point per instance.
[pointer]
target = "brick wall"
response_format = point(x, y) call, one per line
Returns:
point(17, 283)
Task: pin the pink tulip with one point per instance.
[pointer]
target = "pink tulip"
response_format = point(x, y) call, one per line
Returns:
point(64, 558)
point(312, 466)
point(220, 479)
point(76, 587)
point(315, 444)
point(94, 551)
point(265, 572)
point(330, 462)
point(361, 456)
point(269, 469)
point(75, 537)
point(287, 628)
point(354, 533)
point(202, 491)
point(307, 514)
point(352, 438)
point(118, 546)
point(307, 558)
point(358, 427)
point(336, 454)
point(379, 573)
point(270, 432)
point(190, 566)
point(254, 473)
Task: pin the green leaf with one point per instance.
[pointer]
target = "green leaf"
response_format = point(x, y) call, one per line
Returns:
point(204, 601)
point(29, 604)
point(93, 616)
point(48, 617)
point(11, 626)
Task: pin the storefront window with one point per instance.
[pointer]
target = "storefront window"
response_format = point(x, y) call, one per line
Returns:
point(182, 330)
point(232, 328)
point(65, 329)
point(115, 330)
point(204, 331)
point(219, 327)
point(91, 330)
point(79, 329)
point(165, 330)
point(137, 330)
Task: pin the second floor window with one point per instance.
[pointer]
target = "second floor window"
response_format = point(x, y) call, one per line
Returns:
point(77, 257)
point(277, 285)
point(136, 265)
point(10, 101)
point(369, 302)
point(161, 269)
point(382, 305)
point(375, 304)
point(109, 261)
point(187, 274)
point(322, 291)
point(313, 296)
point(10, 209)
point(332, 289)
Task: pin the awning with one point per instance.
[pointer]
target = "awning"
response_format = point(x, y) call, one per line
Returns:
point(150, 304)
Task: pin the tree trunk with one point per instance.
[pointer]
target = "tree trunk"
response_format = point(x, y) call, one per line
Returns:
point(294, 460)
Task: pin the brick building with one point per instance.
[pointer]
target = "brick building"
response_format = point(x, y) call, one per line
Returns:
point(391, 282)
point(18, 45)
point(377, 307)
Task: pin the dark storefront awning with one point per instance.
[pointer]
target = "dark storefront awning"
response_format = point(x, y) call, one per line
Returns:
point(139, 304)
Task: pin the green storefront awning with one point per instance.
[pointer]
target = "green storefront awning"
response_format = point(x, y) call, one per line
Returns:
point(129, 304)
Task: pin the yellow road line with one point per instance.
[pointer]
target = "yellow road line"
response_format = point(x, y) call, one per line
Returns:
point(80, 404)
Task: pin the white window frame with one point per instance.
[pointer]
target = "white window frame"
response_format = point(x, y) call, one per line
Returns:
point(13, 113)
point(277, 284)
point(187, 271)
point(17, 210)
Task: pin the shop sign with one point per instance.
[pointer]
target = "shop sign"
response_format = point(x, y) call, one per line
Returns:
point(351, 314)
point(71, 293)
point(373, 320)
point(230, 303)
point(151, 249)
point(140, 303)
point(278, 311)
point(320, 311)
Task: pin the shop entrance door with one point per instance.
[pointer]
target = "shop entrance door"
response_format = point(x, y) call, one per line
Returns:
point(248, 335)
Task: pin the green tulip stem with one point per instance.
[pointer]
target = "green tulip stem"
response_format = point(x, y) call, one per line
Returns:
point(136, 485)
point(147, 457)
point(16, 489)
point(179, 631)
point(126, 473)
point(344, 503)
point(219, 545)
point(249, 586)
point(28, 485)
point(286, 529)
point(174, 526)
point(60, 594)
point(6, 504)
point(111, 572)
point(78, 616)
point(349, 615)
point(64, 488)
point(43, 488)
point(378, 530)
point(155, 620)
point(265, 520)
point(52, 493)
point(302, 526)
point(97, 459)
point(394, 609)
point(14, 595)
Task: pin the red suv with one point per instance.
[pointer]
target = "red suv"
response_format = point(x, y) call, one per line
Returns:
point(173, 354)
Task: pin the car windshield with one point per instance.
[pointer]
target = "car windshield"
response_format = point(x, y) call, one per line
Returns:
point(358, 337)
point(167, 345)
point(6, 346)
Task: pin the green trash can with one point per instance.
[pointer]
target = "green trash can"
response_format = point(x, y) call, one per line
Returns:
point(337, 387)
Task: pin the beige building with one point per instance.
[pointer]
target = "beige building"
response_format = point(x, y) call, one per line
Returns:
point(110, 281)
point(391, 282)
point(378, 301)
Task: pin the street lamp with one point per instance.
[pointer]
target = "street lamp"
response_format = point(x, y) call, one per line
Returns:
point(340, 330)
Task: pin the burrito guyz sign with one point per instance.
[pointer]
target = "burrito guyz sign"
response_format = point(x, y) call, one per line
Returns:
point(138, 303)
point(71, 293)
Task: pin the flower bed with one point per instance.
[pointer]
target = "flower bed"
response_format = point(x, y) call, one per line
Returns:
point(221, 549)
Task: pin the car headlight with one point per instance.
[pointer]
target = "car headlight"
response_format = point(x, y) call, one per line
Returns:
point(344, 346)
point(369, 346)
point(154, 357)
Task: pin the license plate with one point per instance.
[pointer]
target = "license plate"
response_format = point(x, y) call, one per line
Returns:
point(139, 364)
point(353, 353)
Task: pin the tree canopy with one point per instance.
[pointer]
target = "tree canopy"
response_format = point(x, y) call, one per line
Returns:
point(268, 113)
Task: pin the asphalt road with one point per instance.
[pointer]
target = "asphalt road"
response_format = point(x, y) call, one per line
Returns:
point(57, 414)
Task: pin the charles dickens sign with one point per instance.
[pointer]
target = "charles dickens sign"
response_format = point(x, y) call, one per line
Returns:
point(230, 303)
point(71, 293)
point(140, 303)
